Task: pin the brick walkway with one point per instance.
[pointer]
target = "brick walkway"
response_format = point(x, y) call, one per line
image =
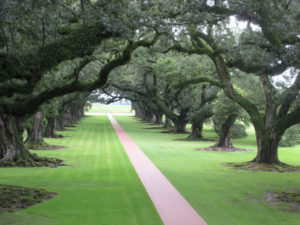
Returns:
point(169, 203)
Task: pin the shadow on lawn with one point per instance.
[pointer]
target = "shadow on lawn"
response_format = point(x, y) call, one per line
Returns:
point(195, 140)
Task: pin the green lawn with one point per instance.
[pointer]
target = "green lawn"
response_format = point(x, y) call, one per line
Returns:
point(101, 187)
point(98, 187)
point(96, 108)
point(221, 195)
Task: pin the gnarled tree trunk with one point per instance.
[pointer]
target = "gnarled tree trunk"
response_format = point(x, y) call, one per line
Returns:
point(12, 151)
point(180, 126)
point(196, 131)
point(267, 146)
point(35, 133)
point(168, 122)
point(138, 111)
point(60, 122)
point(149, 117)
point(11, 142)
point(158, 118)
point(50, 130)
point(67, 118)
point(224, 138)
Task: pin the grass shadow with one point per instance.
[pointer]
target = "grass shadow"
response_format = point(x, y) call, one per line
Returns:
point(187, 139)
point(154, 128)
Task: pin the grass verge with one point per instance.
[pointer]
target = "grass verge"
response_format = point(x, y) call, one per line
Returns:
point(221, 195)
point(98, 187)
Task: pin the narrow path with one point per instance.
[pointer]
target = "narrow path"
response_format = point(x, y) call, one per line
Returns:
point(170, 204)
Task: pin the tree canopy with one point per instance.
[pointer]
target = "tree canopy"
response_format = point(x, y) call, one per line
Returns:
point(181, 59)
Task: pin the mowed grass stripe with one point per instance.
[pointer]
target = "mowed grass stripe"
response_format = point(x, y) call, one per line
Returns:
point(221, 195)
point(99, 186)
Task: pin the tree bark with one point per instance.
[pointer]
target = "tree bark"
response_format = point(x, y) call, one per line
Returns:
point(12, 150)
point(180, 126)
point(196, 131)
point(137, 109)
point(267, 146)
point(138, 112)
point(224, 138)
point(267, 138)
point(11, 142)
point(168, 123)
point(67, 118)
point(82, 3)
point(50, 130)
point(36, 132)
point(60, 122)
point(149, 117)
point(158, 118)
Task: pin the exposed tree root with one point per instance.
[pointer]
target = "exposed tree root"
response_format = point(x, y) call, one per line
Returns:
point(191, 138)
point(42, 146)
point(32, 160)
point(51, 147)
point(36, 145)
point(174, 132)
point(55, 136)
point(224, 149)
point(16, 198)
point(280, 167)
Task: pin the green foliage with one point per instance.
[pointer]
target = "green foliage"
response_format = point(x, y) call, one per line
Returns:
point(50, 109)
point(223, 108)
point(66, 29)
point(30, 122)
point(238, 130)
point(290, 137)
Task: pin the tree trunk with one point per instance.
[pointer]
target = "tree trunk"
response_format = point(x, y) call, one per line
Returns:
point(196, 131)
point(224, 138)
point(180, 126)
point(60, 123)
point(137, 109)
point(12, 151)
point(78, 114)
point(11, 142)
point(158, 118)
point(35, 133)
point(50, 130)
point(81, 113)
point(67, 118)
point(267, 146)
point(138, 112)
point(149, 117)
point(168, 123)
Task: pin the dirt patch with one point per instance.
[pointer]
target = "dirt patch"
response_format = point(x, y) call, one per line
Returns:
point(282, 167)
point(222, 149)
point(14, 198)
point(287, 201)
